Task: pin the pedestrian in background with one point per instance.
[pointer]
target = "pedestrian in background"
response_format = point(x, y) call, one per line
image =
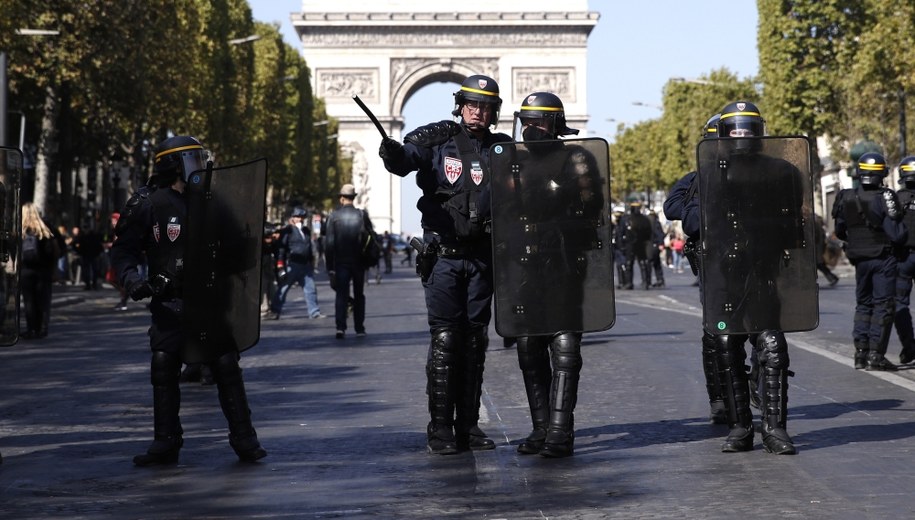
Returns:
point(40, 251)
point(295, 261)
point(347, 229)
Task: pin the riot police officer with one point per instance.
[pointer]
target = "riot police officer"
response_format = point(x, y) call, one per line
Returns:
point(153, 224)
point(634, 236)
point(869, 218)
point(452, 164)
point(746, 298)
point(561, 197)
point(684, 195)
point(906, 270)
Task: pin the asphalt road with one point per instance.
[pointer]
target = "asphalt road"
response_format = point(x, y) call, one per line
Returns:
point(344, 424)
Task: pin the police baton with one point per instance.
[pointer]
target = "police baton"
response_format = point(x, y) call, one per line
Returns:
point(384, 135)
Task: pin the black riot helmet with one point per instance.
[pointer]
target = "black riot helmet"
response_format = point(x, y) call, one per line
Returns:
point(710, 130)
point(871, 169)
point(907, 171)
point(478, 88)
point(542, 116)
point(179, 156)
point(741, 119)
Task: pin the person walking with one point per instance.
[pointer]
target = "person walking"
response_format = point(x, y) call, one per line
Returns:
point(295, 260)
point(348, 228)
point(820, 240)
point(451, 161)
point(40, 251)
point(154, 222)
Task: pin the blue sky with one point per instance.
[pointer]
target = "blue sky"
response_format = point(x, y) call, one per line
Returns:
point(633, 51)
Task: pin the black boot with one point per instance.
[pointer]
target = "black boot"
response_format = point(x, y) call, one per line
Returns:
point(772, 351)
point(167, 441)
point(878, 362)
point(740, 420)
point(440, 388)
point(718, 410)
point(534, 360)
point(467, 433)
point(861, 349)
point(876, 356)
point(234, 402)
point(565, 354)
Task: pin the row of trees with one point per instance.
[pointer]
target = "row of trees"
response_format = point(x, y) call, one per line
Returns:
point(840, 69)
point(121, 76)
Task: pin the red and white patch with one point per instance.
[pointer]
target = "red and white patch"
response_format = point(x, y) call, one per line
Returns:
point(156, 231)
point(453, 169)
point(476, 173)
point(482, 83)
point(530, 99)
point(173, 230)
point(741, 106)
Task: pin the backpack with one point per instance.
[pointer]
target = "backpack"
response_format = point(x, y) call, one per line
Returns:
point(30, 253)
point(370, 252)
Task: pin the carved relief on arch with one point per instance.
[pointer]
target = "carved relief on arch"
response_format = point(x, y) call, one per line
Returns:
point(410, 74)
point(558, 80)
point(343, 83)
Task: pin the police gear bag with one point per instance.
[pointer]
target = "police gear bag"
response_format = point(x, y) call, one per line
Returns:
point(222, 263)
point(552, 260)
point(757, 228)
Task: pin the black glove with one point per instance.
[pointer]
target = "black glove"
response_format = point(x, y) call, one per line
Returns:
point(391, 151)
point(893, 208)
point(140, 291)
point(332, 277)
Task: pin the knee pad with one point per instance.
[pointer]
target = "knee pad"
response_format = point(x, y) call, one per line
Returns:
point(225, 368)
point(165, 368)
point(533, 351)
point(444, 345)
point(566, 351)
point(772, 350)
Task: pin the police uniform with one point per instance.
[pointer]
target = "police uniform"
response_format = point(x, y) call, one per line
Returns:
point(452, 165)
point(682, 204)
point(152, 228)
point(906, 268)
point(863, 221)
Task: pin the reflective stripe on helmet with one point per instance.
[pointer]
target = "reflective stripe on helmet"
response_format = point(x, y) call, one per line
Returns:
point(542, 109)
point(872, 167)
point(477, 91)
point(178, 149)
point(735, 114)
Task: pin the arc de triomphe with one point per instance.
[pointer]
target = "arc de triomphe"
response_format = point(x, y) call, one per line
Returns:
point(385, 56)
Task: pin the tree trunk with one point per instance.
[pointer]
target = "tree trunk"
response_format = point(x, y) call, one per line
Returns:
point(45, 146)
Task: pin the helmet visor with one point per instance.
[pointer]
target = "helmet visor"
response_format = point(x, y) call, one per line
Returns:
point(193, 161)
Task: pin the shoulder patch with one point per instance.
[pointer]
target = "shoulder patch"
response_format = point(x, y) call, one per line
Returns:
point(433, 133)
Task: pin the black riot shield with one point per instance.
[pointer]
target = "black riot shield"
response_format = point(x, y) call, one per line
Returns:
point(757, 249)
point(222, 263)
point(10, 243)
point(552, 260)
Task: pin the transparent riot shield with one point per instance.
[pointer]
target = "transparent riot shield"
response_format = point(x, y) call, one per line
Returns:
point(757, 245)
point(10, 243)
point(222, 262)
point(552, 257)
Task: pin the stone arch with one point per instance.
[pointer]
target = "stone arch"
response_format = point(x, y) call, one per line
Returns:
point(352, 47)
